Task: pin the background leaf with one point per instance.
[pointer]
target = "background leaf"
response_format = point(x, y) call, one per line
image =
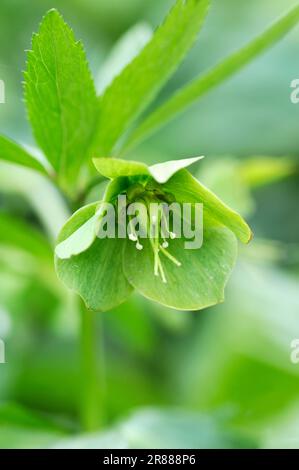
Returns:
point(214, 77)
point(14, 153)
point(21, 235)
point(161, 429)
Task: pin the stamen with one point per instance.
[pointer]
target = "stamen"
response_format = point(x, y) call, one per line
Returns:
point(162, 271)
point(172, 235)
point(165, 244)
point(133, 237)
point(139, 246)
point(169, 256)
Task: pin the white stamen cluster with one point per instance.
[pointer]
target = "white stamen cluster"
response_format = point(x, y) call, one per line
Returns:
point(157, 235)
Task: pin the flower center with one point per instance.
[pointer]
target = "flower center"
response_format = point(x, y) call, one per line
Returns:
point(156, 226)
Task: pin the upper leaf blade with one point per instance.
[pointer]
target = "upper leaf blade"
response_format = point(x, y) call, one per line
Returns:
point(138, 84)
point(60, 96)
point(14, 153)
point(198, 87)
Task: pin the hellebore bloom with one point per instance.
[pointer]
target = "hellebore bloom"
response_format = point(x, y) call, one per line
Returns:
point(105, 271)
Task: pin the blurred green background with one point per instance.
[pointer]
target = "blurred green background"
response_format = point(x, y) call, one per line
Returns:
point(216, 378)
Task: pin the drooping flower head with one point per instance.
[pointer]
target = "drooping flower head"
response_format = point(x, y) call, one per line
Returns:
point(146, 253)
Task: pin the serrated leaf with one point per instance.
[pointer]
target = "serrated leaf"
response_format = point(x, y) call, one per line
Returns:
point(82, 235)
point(139, 83)
point(200, 280)
point(60, 97)
point(11, 152)
point(198, 87)
point(187, 189)
point(97, 273)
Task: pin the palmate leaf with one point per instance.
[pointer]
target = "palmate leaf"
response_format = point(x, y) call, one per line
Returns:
point(14, 153)
point(139, 83)
point(198, 87)
point(18, 234)
point(60, 97)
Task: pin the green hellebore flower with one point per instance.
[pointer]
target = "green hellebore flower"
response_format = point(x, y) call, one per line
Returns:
point(105, 271)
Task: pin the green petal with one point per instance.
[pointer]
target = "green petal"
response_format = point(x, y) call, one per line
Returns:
point(162, 172)
point(97, 274)
point(187, 189)
point(79, 241)
point(200, 280)
point(82, 235)
point(114, 167)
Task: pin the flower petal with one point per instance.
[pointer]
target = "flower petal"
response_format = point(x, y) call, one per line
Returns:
point(200, 280)
point(97, 273)
point(81, 231)
point(162, 172)
point(187, 189)
point(114, 167)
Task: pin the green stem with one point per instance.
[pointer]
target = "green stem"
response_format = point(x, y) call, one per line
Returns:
point(92, 383)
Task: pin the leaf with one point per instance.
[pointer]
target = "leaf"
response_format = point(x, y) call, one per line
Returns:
point(44, 198)
point(161, 172)
point(200, 280)
point(187, 189)
point(96, 274)
point(19, 234)
point(13, 153)
point(162, 429)
point(139, 83)
point(214, 77)
point(123, 52)
point(61, 98)
point(20, 429)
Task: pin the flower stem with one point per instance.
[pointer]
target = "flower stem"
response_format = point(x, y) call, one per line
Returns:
point(92, 383)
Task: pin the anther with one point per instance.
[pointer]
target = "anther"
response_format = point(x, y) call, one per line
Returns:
point(133, 237)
